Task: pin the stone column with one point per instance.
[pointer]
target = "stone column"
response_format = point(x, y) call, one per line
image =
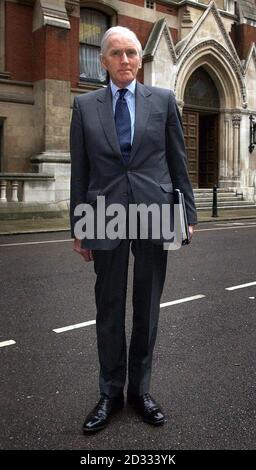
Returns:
point(3, 187)
point(224, 146)
point(226, 151)
point(236, 119)
point(51, 39)
point(15, 187)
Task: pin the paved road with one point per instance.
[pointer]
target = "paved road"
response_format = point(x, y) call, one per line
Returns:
point(204, 364)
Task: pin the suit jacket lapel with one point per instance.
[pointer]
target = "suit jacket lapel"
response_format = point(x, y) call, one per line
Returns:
point(142, 111)
point(105, 110)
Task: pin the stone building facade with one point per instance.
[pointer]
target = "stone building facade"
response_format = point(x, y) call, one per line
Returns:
point(204, 51)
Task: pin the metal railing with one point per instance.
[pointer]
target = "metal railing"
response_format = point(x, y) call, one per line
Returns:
point(215, 201)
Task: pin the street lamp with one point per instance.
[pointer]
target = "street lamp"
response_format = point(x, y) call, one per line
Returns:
point(252, 133)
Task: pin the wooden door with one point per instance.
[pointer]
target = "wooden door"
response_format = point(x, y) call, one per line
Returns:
point(208, 150)
point(1, 145)
point(190, 125)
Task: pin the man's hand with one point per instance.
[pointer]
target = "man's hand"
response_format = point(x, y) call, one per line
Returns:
point(85, 252)
point(191, 230)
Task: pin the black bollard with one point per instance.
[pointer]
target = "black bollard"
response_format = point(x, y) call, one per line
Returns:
point(214, 202)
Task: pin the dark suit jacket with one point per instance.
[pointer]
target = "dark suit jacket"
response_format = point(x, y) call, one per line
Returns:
point(158, 158)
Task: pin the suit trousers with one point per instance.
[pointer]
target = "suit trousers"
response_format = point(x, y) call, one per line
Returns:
point(111, 268)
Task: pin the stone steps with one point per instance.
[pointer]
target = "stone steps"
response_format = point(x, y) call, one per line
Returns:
point(225, 199)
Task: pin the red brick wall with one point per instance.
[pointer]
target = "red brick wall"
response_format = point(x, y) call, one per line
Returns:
point(168, 10)
point(243, 35)
point(139, 3)
point(38, 54)
point(175, 34)
point(57, 53)
point(140, 27)
point(51, 54)
point(18, 41)
point(34, 56)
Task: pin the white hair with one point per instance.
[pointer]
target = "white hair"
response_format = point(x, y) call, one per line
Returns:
point(122, 32)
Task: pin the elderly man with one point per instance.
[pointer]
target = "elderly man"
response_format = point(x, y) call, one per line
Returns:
point(127, 145)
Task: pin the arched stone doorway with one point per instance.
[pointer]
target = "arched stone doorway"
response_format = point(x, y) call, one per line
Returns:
point(201, 128)
point(227, 77)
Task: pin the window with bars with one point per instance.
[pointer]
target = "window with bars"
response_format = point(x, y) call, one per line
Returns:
point(150, 4)
point(93, 25)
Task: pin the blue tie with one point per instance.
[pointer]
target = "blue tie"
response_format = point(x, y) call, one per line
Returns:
point(123, 125)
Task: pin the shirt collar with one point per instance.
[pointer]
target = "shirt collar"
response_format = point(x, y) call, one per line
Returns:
point(130, 87)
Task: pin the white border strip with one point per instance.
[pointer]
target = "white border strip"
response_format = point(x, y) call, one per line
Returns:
point(7, 343)
point(180, 301)
point(73, 327)
point(241, 286)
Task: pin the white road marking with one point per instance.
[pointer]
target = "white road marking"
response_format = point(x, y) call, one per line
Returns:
point(252, 225)
point(180, 301)
point(241, 286)
point(230, 224)
point(73, 327)
point(7, 343)
point(92, 322)
point(37, 243)
point(224, 228)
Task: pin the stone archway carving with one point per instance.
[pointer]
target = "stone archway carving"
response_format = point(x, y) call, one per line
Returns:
point(221, 66)
point(228, 77)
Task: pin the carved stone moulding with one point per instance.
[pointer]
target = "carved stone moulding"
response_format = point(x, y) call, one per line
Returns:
point(71, 5)
point(222, 52)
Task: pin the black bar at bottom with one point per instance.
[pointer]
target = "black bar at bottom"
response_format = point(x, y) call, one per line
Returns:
point(112, 458)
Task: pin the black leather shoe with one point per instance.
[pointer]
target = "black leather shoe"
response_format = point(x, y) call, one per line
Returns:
point(147, 408)
point(99, 416)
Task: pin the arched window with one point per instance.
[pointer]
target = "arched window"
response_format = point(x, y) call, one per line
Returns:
point(93, 25)
point(201, 90)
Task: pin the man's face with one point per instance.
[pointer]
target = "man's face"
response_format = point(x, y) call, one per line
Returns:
point(121, 59)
